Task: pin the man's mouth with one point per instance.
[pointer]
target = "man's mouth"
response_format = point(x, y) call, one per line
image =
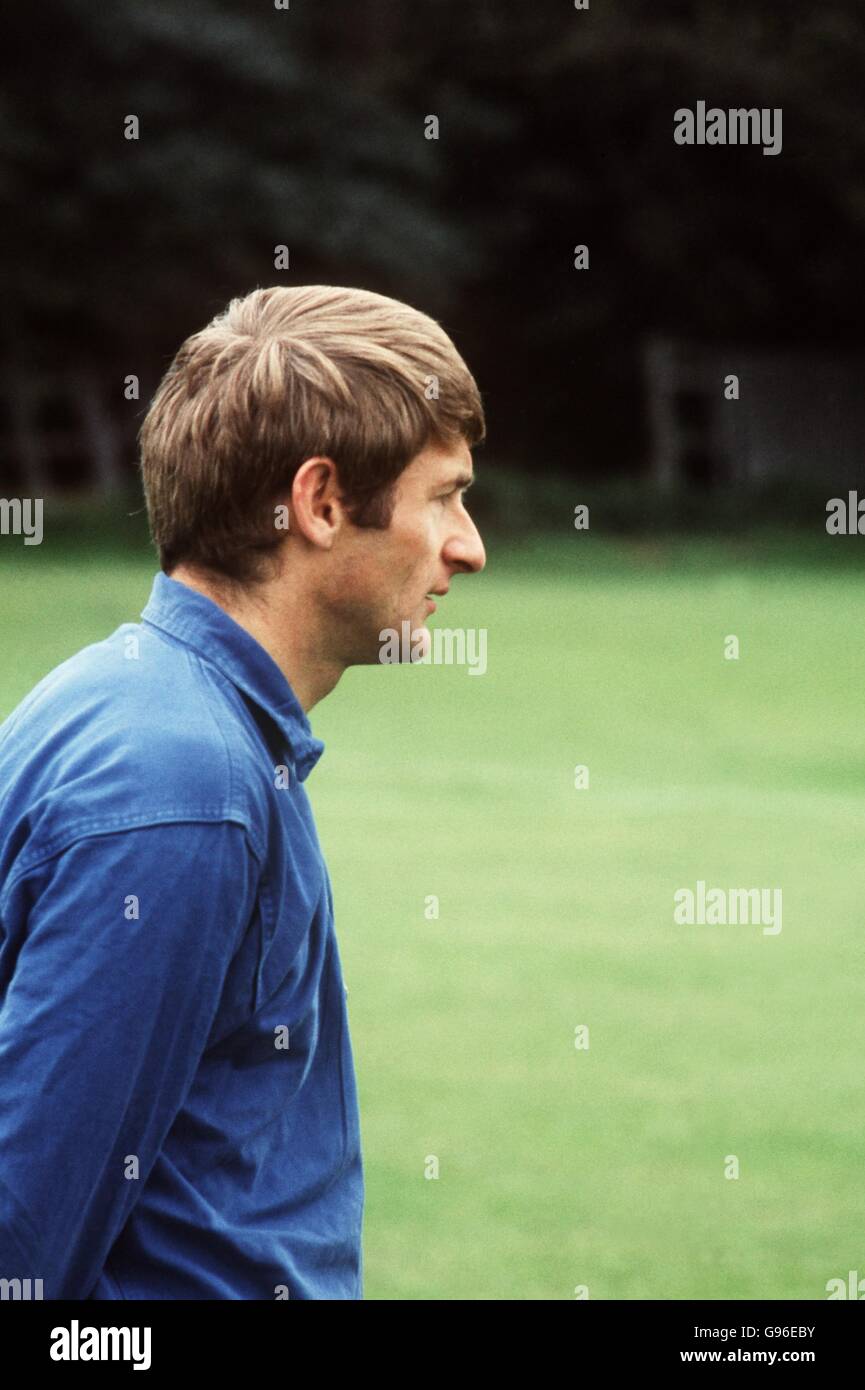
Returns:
point(430, 598)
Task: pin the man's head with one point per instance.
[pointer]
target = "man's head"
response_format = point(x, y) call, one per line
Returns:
point(342, 414)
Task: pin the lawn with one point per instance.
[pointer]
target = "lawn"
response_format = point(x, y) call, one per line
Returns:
point(600, 1167)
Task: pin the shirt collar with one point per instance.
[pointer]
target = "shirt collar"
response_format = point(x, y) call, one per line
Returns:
point(200, 623)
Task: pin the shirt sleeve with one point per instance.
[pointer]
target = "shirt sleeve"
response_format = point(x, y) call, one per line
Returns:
point(114, 993)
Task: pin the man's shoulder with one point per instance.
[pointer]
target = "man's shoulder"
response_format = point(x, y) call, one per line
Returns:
point(132, 730)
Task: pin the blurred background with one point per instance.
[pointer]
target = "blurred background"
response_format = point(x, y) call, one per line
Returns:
point(604, 387)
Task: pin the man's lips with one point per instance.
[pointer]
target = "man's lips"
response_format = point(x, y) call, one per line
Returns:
point(432, 606)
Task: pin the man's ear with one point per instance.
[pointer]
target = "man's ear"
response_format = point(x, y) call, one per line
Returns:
point(316, 510)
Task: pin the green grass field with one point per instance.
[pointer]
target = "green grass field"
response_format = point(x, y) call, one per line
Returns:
point(601, 1167)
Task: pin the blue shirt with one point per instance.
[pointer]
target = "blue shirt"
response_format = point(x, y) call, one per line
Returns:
point(178, 1107)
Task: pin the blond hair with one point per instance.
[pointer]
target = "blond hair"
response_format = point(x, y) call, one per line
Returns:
point(281, 375)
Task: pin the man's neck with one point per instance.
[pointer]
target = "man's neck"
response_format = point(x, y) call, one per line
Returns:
point(275, 623)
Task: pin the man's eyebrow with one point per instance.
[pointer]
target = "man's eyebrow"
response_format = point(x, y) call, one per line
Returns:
point(461, 480)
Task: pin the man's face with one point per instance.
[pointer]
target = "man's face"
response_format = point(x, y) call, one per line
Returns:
point(381, 578)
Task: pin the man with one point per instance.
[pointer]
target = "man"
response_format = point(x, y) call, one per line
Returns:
point(178, 1109)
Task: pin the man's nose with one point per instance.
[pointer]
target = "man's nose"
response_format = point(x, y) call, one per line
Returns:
point(467, 549)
